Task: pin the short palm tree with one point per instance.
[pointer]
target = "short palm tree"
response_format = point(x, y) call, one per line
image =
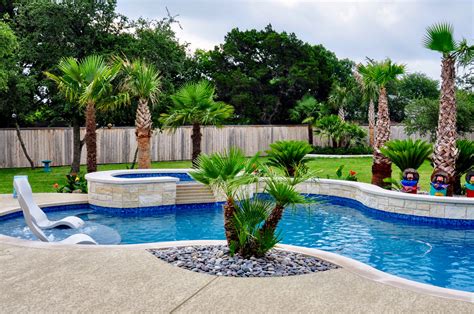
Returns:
point(89, 84)
point(225, 173)
point(439, 37)
point(194, 104)
point(307, 111)
point(370, 93)
point(142, 82)
point(407, 153)
point(340, 98)
point(380, 74)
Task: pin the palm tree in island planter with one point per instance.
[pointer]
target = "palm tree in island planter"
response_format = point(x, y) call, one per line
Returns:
point(381, 73)
point(194, 104)
point(142, 82)
point(439, 37)
point(89, 84)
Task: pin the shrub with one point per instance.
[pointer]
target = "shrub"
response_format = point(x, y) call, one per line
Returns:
point(407, 153)
point(250, 215)
point(289, 155)
point(464, 162)
point(340, 133)
point(355, 150)
point(75, 183)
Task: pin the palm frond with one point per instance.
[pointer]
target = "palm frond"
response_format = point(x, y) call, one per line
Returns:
point(407, 153)
point(439, 37)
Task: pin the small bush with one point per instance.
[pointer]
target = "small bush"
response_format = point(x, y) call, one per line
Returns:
point(407, 153)
point(355, 150)
point(288, 155)
point(340, 133)
point(75, 183)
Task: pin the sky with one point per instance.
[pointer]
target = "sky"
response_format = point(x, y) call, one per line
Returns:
point(351, 29)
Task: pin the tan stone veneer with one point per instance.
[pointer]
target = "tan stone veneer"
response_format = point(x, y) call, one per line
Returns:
point(107, 190)
point(395, 202)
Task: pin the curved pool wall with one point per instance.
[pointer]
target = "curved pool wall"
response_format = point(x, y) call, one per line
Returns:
point(146, 188)
point(404, 205)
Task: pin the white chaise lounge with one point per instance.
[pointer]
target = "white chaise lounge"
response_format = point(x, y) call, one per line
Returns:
point(25, 201)
point(23, 190)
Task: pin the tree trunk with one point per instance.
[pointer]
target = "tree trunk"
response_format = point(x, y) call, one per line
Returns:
point(342, 114)
point(229, 227)
point(371, 123)
point(196, 138)
point(273, 219)
point(143, 125)
point(91, 138)
point(445, 152)
point(23, 147)
point(77, 144)
point(382, 166)
point(310, 134)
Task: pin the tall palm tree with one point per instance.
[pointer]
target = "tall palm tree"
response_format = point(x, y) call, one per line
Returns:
point(194, 104)
point(339, 98)
point(381, 73)
point(88, 83)
point(370, 94)
point(142, 81)
point(307, 110)
point(439, 37)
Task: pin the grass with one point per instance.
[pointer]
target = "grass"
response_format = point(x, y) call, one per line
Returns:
point(43, 182)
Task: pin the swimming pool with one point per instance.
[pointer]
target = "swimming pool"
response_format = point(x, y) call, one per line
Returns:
point(434, 254)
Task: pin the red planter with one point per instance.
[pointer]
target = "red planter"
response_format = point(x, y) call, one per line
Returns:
point(469, 193)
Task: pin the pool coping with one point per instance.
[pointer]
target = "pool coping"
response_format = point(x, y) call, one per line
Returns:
point(109, 176)
point(351, 265)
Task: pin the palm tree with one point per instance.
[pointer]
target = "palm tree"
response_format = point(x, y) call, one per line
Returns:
point(370, 94)
point(339, 98)
point(439, 37)
point(381, 73)
point(307, 110)
point(142, 81)
point(194, 104)
point(88, 83)
point(225, 173)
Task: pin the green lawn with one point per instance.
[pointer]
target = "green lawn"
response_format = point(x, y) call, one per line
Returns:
point(43, 182)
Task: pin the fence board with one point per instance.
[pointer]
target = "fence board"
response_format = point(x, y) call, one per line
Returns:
point(117, 145)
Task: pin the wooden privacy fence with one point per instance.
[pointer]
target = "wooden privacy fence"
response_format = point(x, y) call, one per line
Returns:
point(117, 145)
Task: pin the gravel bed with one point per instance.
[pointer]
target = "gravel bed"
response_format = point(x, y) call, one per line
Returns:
point(215, 260)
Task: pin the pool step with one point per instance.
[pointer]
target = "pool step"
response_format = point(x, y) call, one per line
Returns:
point(192, 193)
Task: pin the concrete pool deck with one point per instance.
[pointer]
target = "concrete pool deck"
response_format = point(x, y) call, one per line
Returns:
point(41, 277)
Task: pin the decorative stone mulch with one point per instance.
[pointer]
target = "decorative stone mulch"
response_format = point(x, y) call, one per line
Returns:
point(216, 260)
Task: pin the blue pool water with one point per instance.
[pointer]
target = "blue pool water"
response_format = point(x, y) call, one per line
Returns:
point(183, 177)
point(434, 254)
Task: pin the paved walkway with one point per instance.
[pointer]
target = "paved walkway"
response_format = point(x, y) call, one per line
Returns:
point(36, 277)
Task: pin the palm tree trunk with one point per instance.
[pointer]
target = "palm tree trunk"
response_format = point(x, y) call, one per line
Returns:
point(77, 144)
point(371, 123)
point(23, 146)
point(229, 211)
point(445, 152)
point(342, 114)
point(382, 166)
point(196, 138)
point(91, 138)
point(143, 125)
point(273, 219)
point(310, 134)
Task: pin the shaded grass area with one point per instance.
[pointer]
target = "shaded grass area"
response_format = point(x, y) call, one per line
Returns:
point(43, 182)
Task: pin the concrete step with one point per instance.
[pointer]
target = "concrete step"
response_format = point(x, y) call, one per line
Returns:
point(193, 193)
point(194, 201)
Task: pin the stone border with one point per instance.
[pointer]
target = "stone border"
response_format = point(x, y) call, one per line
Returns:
point(336, 156)
point(397, 203)
point(108, 190)
point(346, 263)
